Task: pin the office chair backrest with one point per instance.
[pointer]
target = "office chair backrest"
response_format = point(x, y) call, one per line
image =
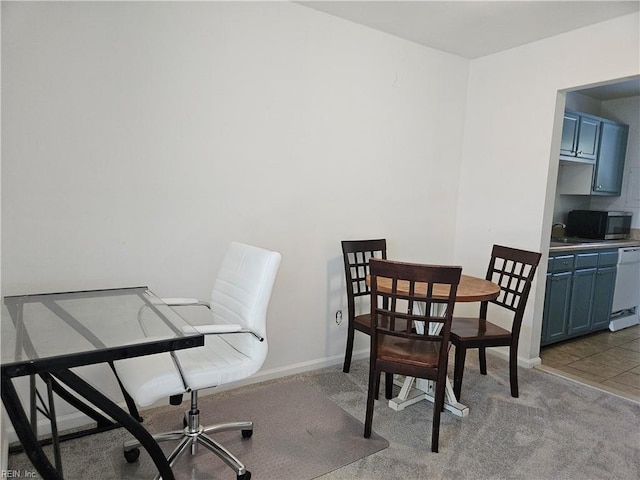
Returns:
point(242, 292)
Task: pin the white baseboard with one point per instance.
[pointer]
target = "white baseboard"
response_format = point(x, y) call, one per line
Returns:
point(503, 353)
point(280, 372)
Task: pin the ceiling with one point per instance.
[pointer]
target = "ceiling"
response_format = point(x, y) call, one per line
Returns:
point(612, 91)
point(473, 29)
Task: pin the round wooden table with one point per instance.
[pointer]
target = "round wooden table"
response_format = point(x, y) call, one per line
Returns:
point(470, 289)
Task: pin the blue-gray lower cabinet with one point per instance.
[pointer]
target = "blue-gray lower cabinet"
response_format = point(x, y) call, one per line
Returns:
point(603, 297)
point(579, 293)
point(556, 307)
point(582, 288)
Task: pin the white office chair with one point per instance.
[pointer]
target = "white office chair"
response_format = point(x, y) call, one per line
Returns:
point(235, 348)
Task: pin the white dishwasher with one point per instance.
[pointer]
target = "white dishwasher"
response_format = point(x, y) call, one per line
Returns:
point(626, 296)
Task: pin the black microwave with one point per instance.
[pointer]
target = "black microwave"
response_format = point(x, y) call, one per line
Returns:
point(599, 224)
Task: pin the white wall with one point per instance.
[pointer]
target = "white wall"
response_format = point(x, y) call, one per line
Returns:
point(140, 138)
point(512, 141)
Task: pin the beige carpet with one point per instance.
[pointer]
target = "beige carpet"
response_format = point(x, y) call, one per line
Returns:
point(298, 433)
point(556, 430)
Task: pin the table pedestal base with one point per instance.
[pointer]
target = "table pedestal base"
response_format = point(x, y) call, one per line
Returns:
point(425, 390)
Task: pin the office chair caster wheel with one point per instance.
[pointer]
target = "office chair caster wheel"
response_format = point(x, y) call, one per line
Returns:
point(245, 476)
point(247, 433)
point(132, 455)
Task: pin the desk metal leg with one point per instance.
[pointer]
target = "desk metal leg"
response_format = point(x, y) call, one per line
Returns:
point(33, 404)
point(126, 420)
point(24, 432)
point(48, 409)
point(103, 423)
point(55, 439)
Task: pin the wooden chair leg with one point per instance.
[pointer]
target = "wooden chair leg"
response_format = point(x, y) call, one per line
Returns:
point(458, 370)
point(388, 385)
point(438, 406)
point(482, 357)
point(377, 386)
point(513, 371)
point(349, 351)
point(372, 393)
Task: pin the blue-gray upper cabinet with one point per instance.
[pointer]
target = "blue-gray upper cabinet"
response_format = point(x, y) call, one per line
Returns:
point(580, 137)
point(607, 179)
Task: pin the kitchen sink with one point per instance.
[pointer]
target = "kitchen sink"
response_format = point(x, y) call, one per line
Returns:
point(556, 241)
point(567, 240)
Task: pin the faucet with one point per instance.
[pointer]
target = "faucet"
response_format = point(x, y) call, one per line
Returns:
point(556, 232)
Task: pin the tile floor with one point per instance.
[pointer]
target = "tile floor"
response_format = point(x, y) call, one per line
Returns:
point(608, 360)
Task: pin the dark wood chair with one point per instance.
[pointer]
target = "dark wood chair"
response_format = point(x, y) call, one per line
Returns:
point(356, 255)
point(513, 270)
point(399, 348)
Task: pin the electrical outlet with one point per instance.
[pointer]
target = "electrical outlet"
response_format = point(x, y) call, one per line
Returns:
point(338, 317)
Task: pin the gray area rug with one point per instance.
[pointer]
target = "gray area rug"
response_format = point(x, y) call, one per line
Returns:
point(557, 430)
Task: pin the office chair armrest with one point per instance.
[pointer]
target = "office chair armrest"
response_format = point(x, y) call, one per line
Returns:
point(184, 302)
point(218, 329)
point(214, 329)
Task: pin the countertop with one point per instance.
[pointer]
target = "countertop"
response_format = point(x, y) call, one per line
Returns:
point(579, 244)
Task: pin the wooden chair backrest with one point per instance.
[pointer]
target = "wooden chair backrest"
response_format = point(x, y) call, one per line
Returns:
point(513, 270)
point(356, 255)
point(397, 310)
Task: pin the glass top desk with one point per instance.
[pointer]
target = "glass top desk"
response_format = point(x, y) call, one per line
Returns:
point(50, 333)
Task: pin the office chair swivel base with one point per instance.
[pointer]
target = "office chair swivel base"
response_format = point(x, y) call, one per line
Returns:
point(194, 434)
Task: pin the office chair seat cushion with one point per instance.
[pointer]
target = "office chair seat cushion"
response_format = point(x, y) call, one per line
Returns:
point(220, 362)
point(155, 377)
point(149, 378)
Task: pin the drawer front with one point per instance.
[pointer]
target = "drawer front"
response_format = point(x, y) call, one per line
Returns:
point(562, 263)
point(607, 259)
point(587, 260)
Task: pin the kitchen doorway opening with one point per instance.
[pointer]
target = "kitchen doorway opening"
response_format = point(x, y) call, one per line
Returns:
point(606, 360)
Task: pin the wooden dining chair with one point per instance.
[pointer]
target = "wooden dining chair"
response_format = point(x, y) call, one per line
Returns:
point(410, 350)
point(356, 255)
point(513, 270)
